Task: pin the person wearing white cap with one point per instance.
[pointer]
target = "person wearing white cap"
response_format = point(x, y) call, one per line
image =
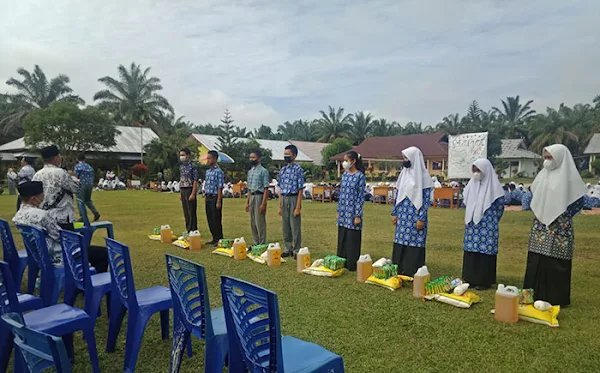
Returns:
point(484, 201)
point(409, 216)
point(558, 192)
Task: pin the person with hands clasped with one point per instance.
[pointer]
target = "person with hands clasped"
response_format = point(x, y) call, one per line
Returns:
point(213, 192)
point(258, 195)
point(291, 182)
point(188, 184)
point(350, 209)
point(413, 196)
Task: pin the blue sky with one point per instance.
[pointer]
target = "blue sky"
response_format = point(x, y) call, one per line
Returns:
point(272, 61)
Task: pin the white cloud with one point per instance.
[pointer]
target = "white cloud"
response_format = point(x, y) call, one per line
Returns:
point(274, 61)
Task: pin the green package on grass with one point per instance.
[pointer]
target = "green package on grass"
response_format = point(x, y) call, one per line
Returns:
point(334, 262)
point(257, 250)
point(226, 243)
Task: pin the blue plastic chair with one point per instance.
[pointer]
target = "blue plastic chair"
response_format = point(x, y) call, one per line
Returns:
point(36, 350)
point(255, 341)
point(90, 227)
point(52, 278)
point(79, 277)
point(192, 315)
point(16, 259)
point(140, 304)
point(59, 320)
point(24, 302)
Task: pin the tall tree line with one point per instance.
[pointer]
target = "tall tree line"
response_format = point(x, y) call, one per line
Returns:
point(133, 98)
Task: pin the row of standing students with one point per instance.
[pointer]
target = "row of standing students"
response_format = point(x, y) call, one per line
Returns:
point(558, 192)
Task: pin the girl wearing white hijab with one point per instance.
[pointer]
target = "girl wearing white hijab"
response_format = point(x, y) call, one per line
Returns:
point(414, 188)
point(484, 201)
point(558, 192)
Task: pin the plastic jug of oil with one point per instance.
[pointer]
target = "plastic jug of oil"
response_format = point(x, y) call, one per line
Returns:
point(302, 259)
point(419, 280)
point(239, 249)
point(364, 268)
point(166, 234)
point(195, 240)
point(507, 304)
point(274, 255)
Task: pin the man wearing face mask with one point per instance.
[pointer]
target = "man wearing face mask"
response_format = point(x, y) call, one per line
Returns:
point(188, 185)
point(291, 181)
point(30, 213)
point(59, 188)
point(258, 195)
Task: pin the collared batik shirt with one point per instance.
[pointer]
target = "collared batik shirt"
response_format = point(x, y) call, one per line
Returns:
point(406, 228)
point(188, 174)
point(59, 188)
point(291, 179)
point(41, 219)
point(555, 240)
point(483, 237)
point(352, 197)
point(258, 179)
point(26, 173)
point(215, 179)
point(526, 198)
point(85, 173)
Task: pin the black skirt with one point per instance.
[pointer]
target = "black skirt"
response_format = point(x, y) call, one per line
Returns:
point(408, 258)
point(479, 269)
point(349, 241)
point(550, 279)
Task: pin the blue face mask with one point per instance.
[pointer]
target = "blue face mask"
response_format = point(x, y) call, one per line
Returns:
point(406, 164)
point(287, 159)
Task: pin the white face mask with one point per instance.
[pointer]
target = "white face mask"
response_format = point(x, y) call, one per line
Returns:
point(182, 158)
point(477, 176)
point(346, 165)
point(549, 164)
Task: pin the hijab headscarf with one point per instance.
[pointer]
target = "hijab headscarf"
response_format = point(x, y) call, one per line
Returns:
point(480, 194)
point(414, 179)
point(436, 182)
point(557, 186)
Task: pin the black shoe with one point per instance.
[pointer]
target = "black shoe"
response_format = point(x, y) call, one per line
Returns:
point(481, 287)
point(286, 254)
point(213, 242)
point(97, 217)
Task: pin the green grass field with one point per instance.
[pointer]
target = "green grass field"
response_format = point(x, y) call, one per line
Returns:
point(374, 329)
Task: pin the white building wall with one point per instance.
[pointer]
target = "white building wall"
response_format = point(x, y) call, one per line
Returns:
point(524, 165)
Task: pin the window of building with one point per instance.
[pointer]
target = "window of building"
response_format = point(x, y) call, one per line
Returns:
point(436, 165)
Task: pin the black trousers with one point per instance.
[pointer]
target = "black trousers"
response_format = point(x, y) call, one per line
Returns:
point(349, 241)
point(97, 255)
point(214, 217)
point(189, 210)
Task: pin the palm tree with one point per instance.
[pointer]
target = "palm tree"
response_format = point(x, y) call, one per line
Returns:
point(134, 98)
point(333, 124)
point(555, 128)
point(34, 91)
point(514, 115)
point(263, 132)
point(361, 126)
point(450, 125)
point(241, 132)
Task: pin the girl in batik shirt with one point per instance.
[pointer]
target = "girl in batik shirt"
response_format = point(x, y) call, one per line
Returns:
point(484, 201)
point(350, 209)
point(558, 192)
point(409, 216)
